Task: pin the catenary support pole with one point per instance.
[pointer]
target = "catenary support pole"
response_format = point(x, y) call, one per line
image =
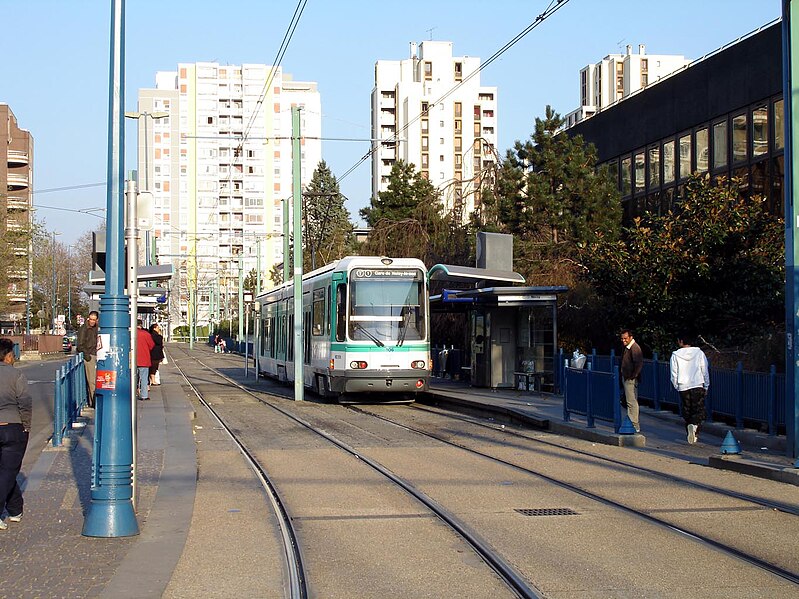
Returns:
point(111, 511)
point(133, 288)
point(790, 69)
point(296, 170)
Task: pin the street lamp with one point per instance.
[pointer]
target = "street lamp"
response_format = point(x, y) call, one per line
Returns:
point(142, 116)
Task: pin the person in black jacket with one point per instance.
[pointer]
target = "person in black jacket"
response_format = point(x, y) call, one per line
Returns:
point(87, 343)
point(632, 362)
point(157, 352)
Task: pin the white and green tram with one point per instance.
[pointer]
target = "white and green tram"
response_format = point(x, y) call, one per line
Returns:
point(365, 329)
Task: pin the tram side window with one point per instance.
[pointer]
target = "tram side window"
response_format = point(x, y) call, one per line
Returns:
point(341, 312)
point(318, 312)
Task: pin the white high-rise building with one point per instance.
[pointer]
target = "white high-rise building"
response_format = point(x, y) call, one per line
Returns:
point(430, 110)
point(617, 76)
point(215, 151)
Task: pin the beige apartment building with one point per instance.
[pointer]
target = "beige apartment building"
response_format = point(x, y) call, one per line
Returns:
point(16, 182)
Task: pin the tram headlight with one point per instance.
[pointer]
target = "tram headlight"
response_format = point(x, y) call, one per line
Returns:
point(358, 365)
point(418, 364)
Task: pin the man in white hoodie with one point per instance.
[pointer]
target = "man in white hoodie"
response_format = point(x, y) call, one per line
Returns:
point(689, 375)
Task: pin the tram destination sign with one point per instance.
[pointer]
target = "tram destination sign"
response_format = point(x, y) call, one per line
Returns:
point(362, 274)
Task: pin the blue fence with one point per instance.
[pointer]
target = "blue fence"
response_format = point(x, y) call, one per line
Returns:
point(70, 396)
point(590, 392)
point(734, 395)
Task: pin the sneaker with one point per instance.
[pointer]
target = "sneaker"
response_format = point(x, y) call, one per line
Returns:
point(3, 525)
point(692, 434)
point(17, 518)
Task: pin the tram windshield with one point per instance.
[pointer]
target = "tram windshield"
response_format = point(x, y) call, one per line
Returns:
point(387, 305)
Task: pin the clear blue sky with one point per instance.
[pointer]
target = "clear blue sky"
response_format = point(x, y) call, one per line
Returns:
point(55, 57)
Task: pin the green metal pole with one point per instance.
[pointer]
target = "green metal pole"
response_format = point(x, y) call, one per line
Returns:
point(790, 70)
point(241, 298)
point(258, 267)
point(296, 171)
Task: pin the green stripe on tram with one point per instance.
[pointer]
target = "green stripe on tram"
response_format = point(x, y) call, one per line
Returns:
point(405, 347)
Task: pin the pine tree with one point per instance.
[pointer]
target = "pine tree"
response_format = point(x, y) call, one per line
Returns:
point(327, 231)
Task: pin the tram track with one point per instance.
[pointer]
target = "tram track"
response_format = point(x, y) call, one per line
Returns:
point(730, 550)
point(506, 572)
point(783, 573)
point(297, 585)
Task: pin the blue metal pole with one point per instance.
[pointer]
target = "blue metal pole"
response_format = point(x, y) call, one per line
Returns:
point(790, 73)
point(111, 511)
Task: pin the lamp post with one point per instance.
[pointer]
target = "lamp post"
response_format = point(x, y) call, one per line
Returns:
point(53, 290)
point(142, 117)
point(111, 512)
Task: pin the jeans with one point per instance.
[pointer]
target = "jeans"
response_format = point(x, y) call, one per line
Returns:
point(144, 380)
point(13, 441)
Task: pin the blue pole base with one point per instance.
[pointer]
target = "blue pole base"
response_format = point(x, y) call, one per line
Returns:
point(627, 427)
point(110, 519)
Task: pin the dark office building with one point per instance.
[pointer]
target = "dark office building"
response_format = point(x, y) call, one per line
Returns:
point(722, 114)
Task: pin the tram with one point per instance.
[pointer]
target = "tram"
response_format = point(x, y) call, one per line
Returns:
point(365, 329)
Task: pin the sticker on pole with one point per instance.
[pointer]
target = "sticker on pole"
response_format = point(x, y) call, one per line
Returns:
point(106, 380)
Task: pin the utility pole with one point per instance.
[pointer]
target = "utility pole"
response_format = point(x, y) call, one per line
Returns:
point(241, 297)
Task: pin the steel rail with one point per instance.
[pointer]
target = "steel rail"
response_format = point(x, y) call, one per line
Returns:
point(509, 575)
point(722, 547)
point(294, 562)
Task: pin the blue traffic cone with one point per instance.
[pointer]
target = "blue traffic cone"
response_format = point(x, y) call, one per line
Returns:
point(627, 427)
point(730, 444)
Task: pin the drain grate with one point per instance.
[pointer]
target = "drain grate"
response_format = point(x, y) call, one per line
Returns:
point(548, 511)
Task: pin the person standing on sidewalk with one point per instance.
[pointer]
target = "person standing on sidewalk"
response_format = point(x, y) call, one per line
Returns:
point(144, 345)
point(16, 408)
point(690, 377)
point(87, 343)
point(157, 353)
point(632, 363)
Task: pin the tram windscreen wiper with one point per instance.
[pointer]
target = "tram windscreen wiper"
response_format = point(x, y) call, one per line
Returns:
point(366, 332)
point(405, 321)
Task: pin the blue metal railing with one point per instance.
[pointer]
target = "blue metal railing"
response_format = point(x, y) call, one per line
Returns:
point(593, 393)
point(70, 396)
point(734, 394)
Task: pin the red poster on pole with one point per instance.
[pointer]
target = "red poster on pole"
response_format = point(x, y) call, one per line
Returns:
point(106, 380)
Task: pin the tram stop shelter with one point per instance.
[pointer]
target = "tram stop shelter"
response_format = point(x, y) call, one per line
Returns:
point(510, 332)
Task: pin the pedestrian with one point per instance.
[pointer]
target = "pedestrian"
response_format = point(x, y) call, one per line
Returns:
point(16, 408)
point(690, 377)
point(144, 345)
point(632, 363)
point(87, 343)
point(157, 353)
point(217, 347)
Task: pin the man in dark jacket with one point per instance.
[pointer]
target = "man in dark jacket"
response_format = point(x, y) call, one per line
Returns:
point(87, 343)
point(632, 362)
point(15, 423)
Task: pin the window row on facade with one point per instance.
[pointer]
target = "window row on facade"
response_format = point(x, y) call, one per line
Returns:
point(746, 145)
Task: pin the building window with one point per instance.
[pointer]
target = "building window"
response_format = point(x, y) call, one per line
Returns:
point(612, 168)
point(759, 132)
point(719, 145)
point(477, 113)
point(425, 142)
point(701, 150)
point(668, 162)
point(654, 167)
point(425, 125)
point(425, 107)
point(458, 144)
point(458, 110)
point(458, 71)
point(739, 138)
point(685, 156)
point(779, 127)
point(458, 126)
point(428, 71)
point(425, 161)
point(626, 182)
point(640, 172)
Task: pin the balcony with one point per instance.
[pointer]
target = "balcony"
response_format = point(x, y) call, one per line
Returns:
point(17, 158)
point(17, 273)
point(17, 203)
point(17, 182)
